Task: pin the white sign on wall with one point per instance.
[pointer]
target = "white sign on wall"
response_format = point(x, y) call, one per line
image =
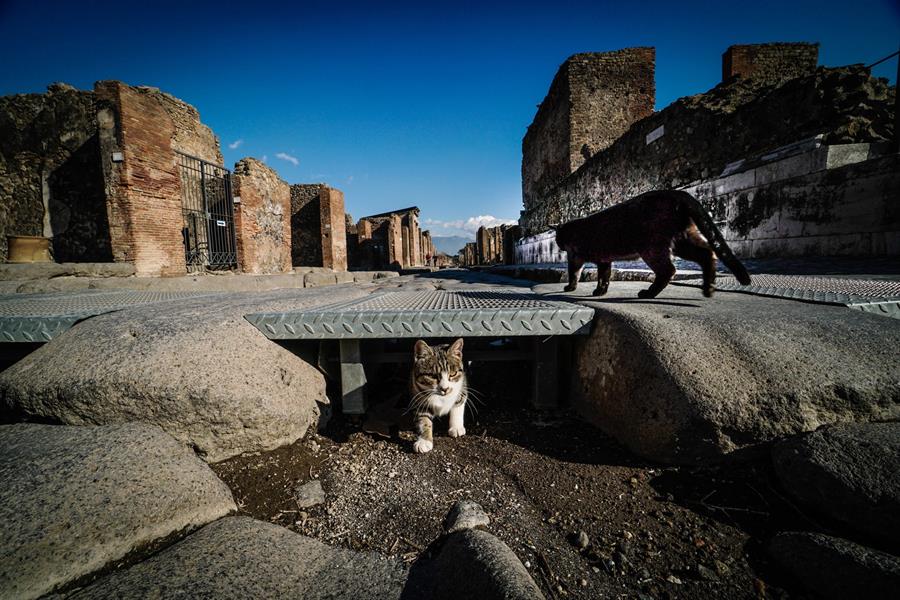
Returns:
point(656, 134)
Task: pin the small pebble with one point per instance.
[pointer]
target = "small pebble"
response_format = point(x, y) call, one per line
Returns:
point(673, 579)
point(581, 540)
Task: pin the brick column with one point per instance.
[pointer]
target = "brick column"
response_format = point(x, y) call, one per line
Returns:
point(407, 246)
point(333, 232)
point(395, 241)
point(144, 188)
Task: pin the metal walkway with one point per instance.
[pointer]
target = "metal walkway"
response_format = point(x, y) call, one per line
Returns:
point(880, 297)
point(434, 314)
point(42, 317)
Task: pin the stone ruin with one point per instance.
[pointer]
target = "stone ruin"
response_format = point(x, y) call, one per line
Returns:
point(108, 175)
point(791, 159)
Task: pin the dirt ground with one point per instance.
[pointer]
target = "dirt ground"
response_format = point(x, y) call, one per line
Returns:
point(544, 478)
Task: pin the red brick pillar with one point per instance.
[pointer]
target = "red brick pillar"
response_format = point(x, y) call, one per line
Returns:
point(334, 232)
point(395, 241)
point(144, 187)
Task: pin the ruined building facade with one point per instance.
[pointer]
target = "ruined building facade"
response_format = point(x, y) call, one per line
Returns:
point(791, 159)
point(391, 240)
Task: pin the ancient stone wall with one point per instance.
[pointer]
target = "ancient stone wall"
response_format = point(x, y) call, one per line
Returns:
point(51, 182)
point(262, 221)
point(696, 138)
point(594, 98)
point(770, 62)
point(144, 188)
point(306, 225)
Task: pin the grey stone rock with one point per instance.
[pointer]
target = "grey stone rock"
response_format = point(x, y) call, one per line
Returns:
point(309, 494)
point(465, 514)
point(195, 367)
point(835, 568)
point(470, 564)
point(850, 474)
point(688, 380)
point(239, 557)
point(75, 499)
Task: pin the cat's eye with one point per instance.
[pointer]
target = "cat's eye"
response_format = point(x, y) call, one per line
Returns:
point(454, 374)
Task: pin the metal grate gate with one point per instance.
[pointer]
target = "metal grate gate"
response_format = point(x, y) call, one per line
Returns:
point(208, 211)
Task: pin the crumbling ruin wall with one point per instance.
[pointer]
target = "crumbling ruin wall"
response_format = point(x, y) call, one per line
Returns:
point(262, 223)
point(770, 62)
point(696, 137)
point(319, 237)
point(306, 223)
point(594, 98)
point(51, 182)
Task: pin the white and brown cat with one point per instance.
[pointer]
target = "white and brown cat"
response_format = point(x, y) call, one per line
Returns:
point(437, 387)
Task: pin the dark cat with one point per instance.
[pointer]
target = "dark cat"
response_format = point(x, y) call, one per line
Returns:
point(652, 226)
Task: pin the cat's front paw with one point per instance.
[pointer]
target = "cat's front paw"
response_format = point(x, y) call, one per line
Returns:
point(423, 446)
point(456, 432)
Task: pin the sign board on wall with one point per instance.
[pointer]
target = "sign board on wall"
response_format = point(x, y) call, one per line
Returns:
point(656, 134)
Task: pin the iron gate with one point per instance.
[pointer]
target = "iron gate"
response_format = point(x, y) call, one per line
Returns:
point(208, 211)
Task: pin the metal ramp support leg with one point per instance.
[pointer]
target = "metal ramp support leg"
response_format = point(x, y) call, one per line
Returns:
point(353, 378)
point(545, 383)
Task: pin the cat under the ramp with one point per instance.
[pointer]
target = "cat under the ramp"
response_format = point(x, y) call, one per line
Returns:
point(437, 387)
point(653, 226)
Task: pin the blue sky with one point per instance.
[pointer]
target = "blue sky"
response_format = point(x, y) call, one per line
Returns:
point(398, 104)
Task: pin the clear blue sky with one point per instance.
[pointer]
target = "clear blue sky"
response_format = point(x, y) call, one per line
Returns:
point(402, 103)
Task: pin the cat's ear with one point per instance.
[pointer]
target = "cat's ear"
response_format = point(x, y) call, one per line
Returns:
point(456, 348)
point(422, 350)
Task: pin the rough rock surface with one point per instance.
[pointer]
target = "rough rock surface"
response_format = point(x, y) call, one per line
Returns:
point(465, 514)
point(195, 367)
point(849, 473)
point(471, 564)
point(834, 568)
point(685, 379)
point(309, 494)
point(240, 557)
point(75, 499)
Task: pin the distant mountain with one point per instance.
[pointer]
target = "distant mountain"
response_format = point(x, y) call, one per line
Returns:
point(451, 244)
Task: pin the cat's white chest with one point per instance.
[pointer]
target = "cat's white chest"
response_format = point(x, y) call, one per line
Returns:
point(441, 405)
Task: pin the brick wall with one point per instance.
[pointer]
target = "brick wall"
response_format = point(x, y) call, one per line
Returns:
point(144, 190)
point(333, 233)
point(593, 99)
point(770, 62)
point(262, 222)
point(318, 226)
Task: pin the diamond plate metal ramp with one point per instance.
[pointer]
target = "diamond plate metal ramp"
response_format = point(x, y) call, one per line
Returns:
point(430, 314)
point(41, 317)
point(868, 295)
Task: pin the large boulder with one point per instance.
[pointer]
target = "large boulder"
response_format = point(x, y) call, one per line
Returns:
point(687, 380)
point(194, 366)
point(850, 474)
point(239, 557)
point(76, 499)
point(835, 568)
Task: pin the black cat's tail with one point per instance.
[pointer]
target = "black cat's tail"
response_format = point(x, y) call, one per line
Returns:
point(709, 230)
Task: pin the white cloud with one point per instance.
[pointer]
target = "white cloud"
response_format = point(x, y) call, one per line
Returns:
point(235, 144)
point(466, 227)
point(291, 159)
point(265, 158)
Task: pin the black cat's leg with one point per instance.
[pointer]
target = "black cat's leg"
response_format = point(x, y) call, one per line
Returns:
point(604, 272)
point(703, 256)
point(662, 266)
point(424, 442)
point(575, 266)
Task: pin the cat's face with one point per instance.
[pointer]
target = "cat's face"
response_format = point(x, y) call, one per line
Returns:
point(438, 369)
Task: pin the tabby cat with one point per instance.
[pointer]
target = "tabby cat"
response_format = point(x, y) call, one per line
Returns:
point(437, 387)
point(653, 226)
